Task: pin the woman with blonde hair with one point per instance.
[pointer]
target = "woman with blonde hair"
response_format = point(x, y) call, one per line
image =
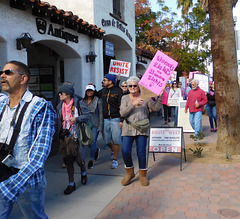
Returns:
point(124, 87)
point(133, 108)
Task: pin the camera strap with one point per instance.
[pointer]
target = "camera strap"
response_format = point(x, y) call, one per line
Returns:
point(2, 112)
point(17, 128)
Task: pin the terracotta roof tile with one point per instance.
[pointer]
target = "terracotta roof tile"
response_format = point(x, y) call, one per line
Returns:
point(145, 53)
point(44, 9)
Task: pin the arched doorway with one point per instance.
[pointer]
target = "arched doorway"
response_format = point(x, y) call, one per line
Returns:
point(122, 51)
point(48, 61)
point(3, 49)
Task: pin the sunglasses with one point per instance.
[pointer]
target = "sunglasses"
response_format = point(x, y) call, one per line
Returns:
point(124, 86)
point(9, 71)
point(60, 93)
point(174, 83)
point(132, 85)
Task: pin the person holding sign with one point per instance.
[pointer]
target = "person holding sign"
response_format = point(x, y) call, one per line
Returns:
point(175, 93)
point(134, 109)
point(195, 102)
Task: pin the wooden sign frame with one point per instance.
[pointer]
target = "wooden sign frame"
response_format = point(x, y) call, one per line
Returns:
point(167, 140)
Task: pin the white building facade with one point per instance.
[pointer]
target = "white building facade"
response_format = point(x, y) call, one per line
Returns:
point(63, 33)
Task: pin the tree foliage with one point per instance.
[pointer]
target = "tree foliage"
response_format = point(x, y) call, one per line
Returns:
point(154, 29)
point(194, 34)
point(184, 40)
point(185, 5)
point(223, 47)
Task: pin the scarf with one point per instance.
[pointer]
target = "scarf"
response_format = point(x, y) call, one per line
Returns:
point(67, 109)
point(167, 89)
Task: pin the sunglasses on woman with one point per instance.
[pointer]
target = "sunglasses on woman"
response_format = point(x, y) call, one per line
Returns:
point(124, 85)
point(9, 71)
point(134, 85)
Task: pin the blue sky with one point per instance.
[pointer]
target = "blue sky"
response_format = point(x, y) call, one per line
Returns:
point(170, 3)
point(173, 5)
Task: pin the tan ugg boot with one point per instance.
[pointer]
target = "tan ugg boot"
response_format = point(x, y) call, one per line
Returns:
point(129, 176)
point(143, 177)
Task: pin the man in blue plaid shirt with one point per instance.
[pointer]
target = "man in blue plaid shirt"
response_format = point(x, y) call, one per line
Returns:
point(32, 147)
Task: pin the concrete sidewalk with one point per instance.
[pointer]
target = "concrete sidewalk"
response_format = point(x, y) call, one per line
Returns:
point(199, 191)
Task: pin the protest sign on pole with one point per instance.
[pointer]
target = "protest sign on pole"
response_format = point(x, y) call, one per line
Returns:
point(173, 76)
point(203, 81)
point(173, 101)
point(157, 74)
point(191, 73)
point(119, 67)
point(183, 81)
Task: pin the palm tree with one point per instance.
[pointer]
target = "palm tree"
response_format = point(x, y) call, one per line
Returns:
point(225, 70)
point(225, 74)
point(185, 5)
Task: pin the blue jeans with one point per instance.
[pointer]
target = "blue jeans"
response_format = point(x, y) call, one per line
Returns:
point(141, 142)
point(112, 132)
point(31, 203)
point(212, 115)
point(94, 144)
point(175, 115)
point(195, 121)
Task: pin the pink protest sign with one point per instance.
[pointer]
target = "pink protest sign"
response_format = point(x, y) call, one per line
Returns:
point(158, 72)
point(191, 73)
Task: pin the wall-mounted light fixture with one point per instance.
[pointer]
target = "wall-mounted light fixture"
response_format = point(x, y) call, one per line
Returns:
point(24, 41)
point(139, 59)
point(91, 57)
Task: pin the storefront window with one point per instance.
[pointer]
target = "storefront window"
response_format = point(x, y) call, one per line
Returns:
point(117, 8)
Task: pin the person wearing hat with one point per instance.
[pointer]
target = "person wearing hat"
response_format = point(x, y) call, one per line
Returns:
point(71, 111)
point(94, 105)
point(111, 101)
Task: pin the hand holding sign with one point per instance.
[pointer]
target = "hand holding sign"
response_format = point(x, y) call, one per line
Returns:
point(157, 75)
point(121, 68)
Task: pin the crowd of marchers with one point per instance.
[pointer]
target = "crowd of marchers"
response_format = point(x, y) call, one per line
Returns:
point(117, 111)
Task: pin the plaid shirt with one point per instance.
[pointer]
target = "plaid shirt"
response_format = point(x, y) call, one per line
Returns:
point(32, 173)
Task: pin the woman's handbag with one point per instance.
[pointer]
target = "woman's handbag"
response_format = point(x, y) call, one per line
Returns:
point(69, 146)
point(142, 125)
point(86, 135)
